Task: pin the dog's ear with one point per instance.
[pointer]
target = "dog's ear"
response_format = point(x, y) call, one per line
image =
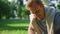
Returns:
point(37, 8)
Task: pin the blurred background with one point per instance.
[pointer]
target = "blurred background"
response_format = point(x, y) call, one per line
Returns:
point(14, 17)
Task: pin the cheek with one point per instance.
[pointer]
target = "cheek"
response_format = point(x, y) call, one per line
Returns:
point(39, 15)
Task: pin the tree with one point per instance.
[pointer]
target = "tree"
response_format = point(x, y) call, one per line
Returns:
point(22, 11)
point(4, 9)
point(58, 7)
point(25, 12)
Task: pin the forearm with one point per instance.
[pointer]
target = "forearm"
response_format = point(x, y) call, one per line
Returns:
point(31, 29)
point(36, 27)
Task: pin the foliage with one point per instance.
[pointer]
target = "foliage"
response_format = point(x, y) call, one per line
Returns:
point(45, 2)
point(22, 11)
point(25, 12)
point(58, 7)
point(19, 10)
point(4, 9)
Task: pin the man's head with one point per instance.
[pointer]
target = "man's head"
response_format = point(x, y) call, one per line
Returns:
point(36, 7)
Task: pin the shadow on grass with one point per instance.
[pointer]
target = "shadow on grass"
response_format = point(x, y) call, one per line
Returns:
point(13, 21)
point(3, 24)
point(13, 28)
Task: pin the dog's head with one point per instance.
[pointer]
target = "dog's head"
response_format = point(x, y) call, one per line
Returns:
point(36, 7)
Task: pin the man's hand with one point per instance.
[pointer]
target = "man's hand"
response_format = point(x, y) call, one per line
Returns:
point(32, 16)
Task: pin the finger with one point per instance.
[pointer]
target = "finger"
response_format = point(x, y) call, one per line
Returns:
point(32, 15)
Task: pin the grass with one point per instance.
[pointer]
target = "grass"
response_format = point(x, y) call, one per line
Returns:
point(14, 26)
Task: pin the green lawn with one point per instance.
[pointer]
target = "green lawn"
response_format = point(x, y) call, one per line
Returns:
point(14, 26)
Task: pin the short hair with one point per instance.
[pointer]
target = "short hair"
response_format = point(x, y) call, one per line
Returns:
point(37, 8)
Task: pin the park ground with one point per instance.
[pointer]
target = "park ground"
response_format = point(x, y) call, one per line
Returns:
point(14, 26)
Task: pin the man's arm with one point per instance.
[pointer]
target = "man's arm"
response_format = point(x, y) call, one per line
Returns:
point(34, 27)
point(31, 29)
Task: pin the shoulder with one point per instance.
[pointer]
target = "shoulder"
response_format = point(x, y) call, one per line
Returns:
point(57, 17)
point(48, 8)
point(57, 14)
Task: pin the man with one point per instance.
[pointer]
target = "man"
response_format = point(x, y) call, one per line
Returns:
point(33, 5)
point(38, 17)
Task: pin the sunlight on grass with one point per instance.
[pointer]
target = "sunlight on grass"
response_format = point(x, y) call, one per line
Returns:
point(17, 25)
point(14, 27)
point(13, 32)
